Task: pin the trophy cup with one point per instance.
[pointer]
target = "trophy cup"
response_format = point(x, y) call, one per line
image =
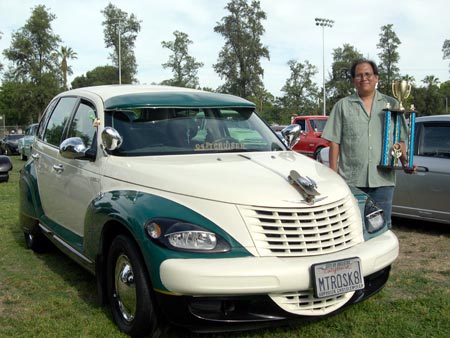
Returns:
point(391, 138)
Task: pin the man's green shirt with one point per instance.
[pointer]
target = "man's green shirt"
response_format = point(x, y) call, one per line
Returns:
point(360, 139)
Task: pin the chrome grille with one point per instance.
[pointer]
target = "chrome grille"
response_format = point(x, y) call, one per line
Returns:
point(303, 303)
point(304, 231)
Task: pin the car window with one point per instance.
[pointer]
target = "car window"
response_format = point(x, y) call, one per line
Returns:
point(58, 119)
point(435, 140)
point(45, 117)
point(318, 125)
point(164, 131)
point(302, 124)
point(82, 124)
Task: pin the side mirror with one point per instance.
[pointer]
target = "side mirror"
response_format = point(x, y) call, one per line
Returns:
point(291, 134)
point(111, 139)
point(74, 148)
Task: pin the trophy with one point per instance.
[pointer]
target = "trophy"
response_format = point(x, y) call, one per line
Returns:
point(392, 149)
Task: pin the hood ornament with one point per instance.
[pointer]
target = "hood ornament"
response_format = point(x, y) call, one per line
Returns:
point(307, 186)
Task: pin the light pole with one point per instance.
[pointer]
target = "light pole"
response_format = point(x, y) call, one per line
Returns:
point(120, 54)
point(2, 118)
point(324, 23)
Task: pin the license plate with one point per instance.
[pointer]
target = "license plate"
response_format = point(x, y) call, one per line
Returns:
point(337, 277)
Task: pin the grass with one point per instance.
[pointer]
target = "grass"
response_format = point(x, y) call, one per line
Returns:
point(50, 296)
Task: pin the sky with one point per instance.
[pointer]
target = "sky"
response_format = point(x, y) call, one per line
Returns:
point(290, 33)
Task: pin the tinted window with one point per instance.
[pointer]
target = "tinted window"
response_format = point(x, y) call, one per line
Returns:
point(83, 124)
point(435, 140)
point(58, 119)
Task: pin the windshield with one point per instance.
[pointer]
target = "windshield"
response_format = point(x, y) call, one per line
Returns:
point(165, 131)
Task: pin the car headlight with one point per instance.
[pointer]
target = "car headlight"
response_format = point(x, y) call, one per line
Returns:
point(177, 235)
point(373, 217)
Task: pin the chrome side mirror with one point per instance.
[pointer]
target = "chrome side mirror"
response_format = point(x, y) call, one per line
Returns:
point(74, 148)
point(291, 134)
point(111, 139)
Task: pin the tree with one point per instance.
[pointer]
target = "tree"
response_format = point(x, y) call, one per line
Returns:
point(444, 90)
point(66, 53)
point(184, 67)
point(446, 49)
point(389, 57)
point(428, 100)
point(103, 75)
point(300, 92)
point(340, 84)
point(119, 24)
point(239, 61)
point(1, 66)
point(33, 63)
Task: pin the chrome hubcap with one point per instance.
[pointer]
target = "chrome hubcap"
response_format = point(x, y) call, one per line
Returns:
point(125, 288)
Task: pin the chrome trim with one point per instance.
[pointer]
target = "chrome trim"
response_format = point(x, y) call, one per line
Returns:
point(63, 243)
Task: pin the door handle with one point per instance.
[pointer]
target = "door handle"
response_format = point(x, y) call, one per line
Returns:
point(35, 156)
point(59, 168)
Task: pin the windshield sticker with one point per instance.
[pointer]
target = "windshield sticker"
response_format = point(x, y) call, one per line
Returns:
point(219, 146)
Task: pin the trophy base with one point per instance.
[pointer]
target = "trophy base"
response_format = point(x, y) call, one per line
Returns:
point(394, 167)
point(411, 169)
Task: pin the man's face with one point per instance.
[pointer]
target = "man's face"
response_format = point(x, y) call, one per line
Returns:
point(365, 80)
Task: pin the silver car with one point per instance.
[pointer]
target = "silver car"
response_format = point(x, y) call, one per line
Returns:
point(426, 194)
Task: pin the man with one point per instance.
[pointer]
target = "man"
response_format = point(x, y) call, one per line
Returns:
point(355, 131)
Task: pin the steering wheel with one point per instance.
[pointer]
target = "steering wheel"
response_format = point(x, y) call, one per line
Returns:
point(226, 139)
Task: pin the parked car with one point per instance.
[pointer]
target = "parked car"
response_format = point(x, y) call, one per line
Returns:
point(9, 144)
point(5, 167)
point(311, 141)
point(25, 143)
point(186, 206)
point(425, 194)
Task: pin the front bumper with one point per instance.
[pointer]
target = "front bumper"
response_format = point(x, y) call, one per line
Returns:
point(267, 275)
point(231, 313)
point(213, 295)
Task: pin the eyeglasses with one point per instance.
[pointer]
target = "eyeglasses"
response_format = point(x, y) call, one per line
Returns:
point(360, 77)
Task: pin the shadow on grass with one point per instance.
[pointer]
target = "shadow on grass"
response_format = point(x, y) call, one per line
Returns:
point(419, 226)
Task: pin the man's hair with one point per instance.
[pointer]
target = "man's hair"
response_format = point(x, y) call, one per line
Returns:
point(358, 62)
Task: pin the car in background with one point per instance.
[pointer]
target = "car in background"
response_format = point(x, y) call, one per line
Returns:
point(25, 143)
point(311, 141)
point(424, 195)
point(186, 206)
point(5, 167)
point(9, 144)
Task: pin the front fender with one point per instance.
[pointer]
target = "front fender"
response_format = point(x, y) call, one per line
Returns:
point(30, 207)
point(132, 210)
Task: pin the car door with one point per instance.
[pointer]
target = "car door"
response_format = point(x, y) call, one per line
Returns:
point(428, 193)
point(46, 153)
point(78, 179)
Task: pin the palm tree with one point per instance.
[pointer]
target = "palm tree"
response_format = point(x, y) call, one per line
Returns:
point(66, 53)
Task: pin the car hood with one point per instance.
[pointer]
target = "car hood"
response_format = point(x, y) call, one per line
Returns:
point(238, 178)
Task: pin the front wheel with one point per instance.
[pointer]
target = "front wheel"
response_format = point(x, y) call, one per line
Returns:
point(128, 288)
point(37, 241)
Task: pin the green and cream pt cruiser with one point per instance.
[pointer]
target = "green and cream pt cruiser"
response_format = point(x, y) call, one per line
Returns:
point(190, 210)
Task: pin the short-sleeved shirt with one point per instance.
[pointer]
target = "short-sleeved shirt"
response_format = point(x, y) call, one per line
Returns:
point(360, 139)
